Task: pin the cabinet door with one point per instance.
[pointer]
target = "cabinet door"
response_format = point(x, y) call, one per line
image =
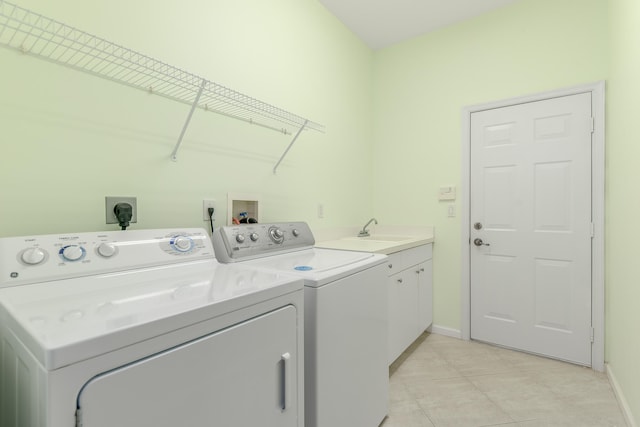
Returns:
point(424, 271)
point(403, 312)
point(241, 376)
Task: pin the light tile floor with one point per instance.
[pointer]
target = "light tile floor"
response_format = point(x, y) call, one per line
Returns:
point(446, 382)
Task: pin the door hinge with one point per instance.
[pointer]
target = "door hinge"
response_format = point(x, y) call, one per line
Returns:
point(593, 332)
point(78, 417)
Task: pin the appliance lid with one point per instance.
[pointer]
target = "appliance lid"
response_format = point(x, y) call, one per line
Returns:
point(66, 321)
point(318, 260)
point(319, 265)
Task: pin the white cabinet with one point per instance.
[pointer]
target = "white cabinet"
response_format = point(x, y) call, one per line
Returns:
point(403, 312)
point(410, 291)
point(424, 271)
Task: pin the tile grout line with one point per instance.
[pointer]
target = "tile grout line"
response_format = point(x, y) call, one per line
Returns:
point(517, 367)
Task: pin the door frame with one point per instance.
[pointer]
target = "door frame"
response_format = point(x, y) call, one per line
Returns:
point(597, 90)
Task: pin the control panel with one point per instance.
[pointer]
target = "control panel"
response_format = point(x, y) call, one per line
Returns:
point(34, 259)
point(247, 241)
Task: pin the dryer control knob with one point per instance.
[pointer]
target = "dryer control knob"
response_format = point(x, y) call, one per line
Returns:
point(182, 243)
point(254, 237)
point(295, 232)
point(72, 252)
point(240, 238)
point(107, 250)
point(33, 256)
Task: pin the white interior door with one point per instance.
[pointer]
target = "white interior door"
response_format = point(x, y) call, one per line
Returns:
point(530, 206)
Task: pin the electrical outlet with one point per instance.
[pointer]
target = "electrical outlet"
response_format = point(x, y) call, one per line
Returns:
point(111, 202)
point(206, 204)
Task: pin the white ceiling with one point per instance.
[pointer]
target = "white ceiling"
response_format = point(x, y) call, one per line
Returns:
point(381, 23)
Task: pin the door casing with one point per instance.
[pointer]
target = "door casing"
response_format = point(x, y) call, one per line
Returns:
point(597, 90)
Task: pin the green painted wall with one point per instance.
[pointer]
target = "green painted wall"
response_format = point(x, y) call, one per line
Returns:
point(69, 139)
point(623, 203)
point(532, 46)
point(422, 85)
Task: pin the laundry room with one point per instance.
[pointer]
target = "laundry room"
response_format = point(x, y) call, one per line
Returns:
point(376, 129)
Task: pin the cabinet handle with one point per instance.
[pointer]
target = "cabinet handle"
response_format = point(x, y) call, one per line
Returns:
point(390, 265)
point(417, 271)
point(422, 269)
point(399, 280)
point(285, 374)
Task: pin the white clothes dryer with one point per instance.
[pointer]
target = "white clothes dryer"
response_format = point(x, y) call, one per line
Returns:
point(145, 328)
point(346, 318)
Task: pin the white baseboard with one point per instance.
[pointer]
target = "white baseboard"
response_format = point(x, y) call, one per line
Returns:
point(448, 332)
point(626, 411)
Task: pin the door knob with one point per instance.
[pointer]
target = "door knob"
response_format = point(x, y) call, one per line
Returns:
point(479, 242)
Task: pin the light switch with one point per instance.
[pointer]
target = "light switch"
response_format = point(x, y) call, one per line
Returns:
point(451, 211)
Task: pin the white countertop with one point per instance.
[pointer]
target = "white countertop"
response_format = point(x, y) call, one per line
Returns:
point(383, 240)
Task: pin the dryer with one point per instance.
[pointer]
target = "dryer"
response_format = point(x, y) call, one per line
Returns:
point(346, 317)
point(145, 328)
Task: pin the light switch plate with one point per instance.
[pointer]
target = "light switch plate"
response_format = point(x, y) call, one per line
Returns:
point(451, 211)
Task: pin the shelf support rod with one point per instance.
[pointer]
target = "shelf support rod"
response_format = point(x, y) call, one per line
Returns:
point(174, 154)
point(275, 168)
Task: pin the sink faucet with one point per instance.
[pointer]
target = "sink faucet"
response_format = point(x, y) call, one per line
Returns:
point(364, 232)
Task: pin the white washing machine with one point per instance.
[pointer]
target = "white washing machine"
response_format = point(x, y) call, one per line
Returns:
point(145, 328)
point(346, 319)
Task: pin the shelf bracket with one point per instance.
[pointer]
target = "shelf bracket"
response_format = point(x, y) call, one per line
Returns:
point(174, 154)
point(275, 168)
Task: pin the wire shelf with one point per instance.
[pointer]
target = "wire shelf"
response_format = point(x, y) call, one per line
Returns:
point(39, 36)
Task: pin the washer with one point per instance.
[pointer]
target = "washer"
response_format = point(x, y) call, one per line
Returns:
point(145, 328)
point(346, 318)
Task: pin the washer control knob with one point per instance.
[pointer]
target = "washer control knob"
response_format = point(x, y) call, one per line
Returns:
point(182, 243)
point(254, 237)
point(295, 232)
point(72, 252)
point(276, 235)
point(33, 256)
point(240, 238)
point(107, 250)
